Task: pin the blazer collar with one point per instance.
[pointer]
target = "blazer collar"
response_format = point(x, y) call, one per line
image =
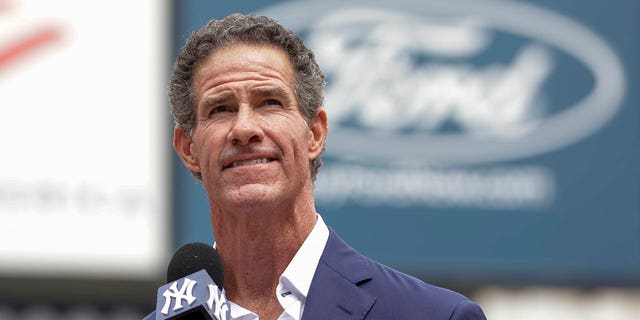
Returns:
point(334, 291)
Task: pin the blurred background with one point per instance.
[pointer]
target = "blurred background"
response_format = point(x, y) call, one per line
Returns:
point(491, 147)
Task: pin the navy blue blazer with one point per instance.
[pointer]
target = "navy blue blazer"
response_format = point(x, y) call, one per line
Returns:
point(348, 285)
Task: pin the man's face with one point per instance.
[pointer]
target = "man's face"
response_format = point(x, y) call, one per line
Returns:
point(250, 143)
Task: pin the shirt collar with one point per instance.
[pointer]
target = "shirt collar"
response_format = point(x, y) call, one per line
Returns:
point(299, 273)
point(295, 281)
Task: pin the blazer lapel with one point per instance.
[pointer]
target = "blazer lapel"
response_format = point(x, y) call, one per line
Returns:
point(334, 291)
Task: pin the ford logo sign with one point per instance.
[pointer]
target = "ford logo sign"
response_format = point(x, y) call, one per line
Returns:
point(393, 92)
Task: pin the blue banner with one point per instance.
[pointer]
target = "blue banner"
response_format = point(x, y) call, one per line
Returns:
point(470, 141)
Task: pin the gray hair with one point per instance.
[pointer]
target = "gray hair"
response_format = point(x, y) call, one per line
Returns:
point(248, 29)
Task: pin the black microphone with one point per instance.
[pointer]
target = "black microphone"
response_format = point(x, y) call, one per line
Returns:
point(194, 288)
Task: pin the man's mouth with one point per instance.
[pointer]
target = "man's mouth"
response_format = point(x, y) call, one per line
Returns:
point(249, 162)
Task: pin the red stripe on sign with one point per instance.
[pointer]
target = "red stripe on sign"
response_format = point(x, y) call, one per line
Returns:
point(27, 44)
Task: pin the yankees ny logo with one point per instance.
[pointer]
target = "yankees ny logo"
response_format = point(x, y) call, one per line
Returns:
point(218, 301)
point(185, 293)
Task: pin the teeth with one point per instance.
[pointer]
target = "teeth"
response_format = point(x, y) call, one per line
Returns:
point(245, 162)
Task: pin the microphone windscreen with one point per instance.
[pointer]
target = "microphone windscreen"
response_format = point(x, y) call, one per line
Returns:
point(193, 257)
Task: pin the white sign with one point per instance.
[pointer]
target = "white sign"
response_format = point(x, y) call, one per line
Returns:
point(82, 180)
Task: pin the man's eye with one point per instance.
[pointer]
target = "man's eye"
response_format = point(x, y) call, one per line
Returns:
point(219, 109)
point(272, 102)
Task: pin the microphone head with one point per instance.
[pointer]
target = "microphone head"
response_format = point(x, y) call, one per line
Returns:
point(193, 257)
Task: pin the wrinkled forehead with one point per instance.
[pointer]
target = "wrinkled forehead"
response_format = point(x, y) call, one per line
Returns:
point(241, 57)
point(242, 60)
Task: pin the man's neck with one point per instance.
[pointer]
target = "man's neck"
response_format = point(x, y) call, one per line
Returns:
point(256, 248)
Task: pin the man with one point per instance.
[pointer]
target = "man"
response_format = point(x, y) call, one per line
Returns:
point(247, 97)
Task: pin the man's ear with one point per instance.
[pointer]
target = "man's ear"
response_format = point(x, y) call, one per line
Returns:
point(183, 144)
point(318, 130)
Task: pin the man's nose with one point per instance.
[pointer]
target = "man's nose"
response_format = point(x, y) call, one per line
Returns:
point(246, 128)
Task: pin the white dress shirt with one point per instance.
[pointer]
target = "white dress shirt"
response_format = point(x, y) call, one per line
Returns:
point(295, 281)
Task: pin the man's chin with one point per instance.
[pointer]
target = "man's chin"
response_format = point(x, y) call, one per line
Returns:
point(254, 194)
